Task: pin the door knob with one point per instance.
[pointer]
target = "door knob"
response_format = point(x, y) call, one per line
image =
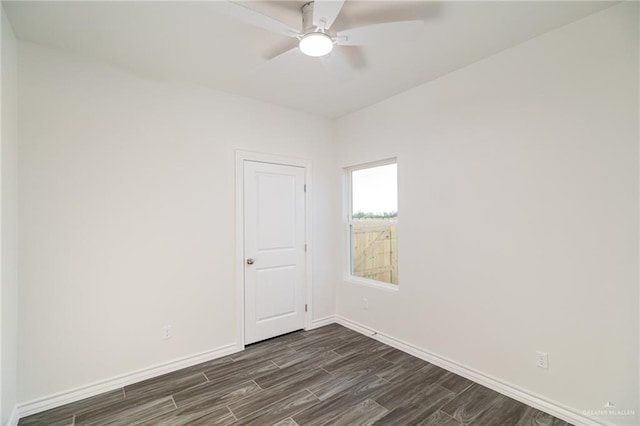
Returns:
point(249, 261)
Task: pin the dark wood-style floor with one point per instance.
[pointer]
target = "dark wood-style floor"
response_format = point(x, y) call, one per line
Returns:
point(329, 375)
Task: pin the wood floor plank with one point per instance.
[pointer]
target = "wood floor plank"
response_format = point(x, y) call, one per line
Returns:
point(396, 356)
point(471, 403)
point(304, 359)
point(192, 415)
point(94, 402)
point(378, 349)
point(64, 415)
point(285, 338)
point(215, 394)
point(407, 415)
point(340, 400)
point(441, 418)
point(122, 415)
point(364, 389)
point(318, 335)
point(164, 385)
point(114, 407)
point(391, 352)
point(208, 365)
point(456, 384)
point(533, 417)
point(247, 369)
point(365, 413)
point(340, 335)
point(334, 330)
point(403, 369)
point(416, 411)
point(313, 344)
point(211, 419)
point(42, 419)
point(351, 336)
point(281, 410)
point(357, 363)
point(431, 374)
point(287, 360)
point(395, 392)
point(366, 345)
point(321, 413)
point(286, 422)
point(361, 386)
point(263, 351)
point(270, 396)
point(338, 383)
point(325, 329)
point(276, 377)
point(504, 411)
point(413, 393)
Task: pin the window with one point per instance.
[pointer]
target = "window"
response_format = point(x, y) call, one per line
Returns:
point(373, 222)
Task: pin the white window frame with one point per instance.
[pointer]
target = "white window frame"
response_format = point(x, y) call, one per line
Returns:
point(348, 222)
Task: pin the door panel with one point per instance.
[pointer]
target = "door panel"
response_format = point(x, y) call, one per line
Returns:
point(276, 201)
point(274, 232)
point(275, 290)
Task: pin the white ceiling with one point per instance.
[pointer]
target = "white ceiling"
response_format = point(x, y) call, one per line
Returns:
point(193, 42)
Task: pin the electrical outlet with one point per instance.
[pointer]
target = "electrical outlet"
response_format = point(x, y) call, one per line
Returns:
point(365, 303)
point(166, 332)
point(542, 359)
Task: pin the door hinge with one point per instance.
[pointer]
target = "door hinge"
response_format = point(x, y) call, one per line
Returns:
point(305, 248)
point(305, 187)
point(305, 307)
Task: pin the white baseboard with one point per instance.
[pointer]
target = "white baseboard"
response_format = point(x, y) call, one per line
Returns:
point(533, 400)
point(52, 401)
point(15, 417)
point(321, 322)
point(536, 401)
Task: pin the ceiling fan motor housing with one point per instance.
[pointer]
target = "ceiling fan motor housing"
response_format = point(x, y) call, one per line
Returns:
point(307, 20)
point(315, 41)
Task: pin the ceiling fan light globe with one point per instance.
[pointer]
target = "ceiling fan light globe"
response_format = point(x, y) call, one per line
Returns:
point(316, 44)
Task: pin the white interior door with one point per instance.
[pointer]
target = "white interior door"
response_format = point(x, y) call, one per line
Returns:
point(274, 249)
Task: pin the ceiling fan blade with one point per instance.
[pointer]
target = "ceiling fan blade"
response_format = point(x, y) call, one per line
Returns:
point(252, 17)
point(380, 33)
point(282, 60)
point(326, 11)
point(338, 66)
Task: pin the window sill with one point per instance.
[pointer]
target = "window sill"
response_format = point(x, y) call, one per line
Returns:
point(371, 283)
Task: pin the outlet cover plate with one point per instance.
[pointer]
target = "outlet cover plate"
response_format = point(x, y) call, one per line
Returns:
point(542, 360)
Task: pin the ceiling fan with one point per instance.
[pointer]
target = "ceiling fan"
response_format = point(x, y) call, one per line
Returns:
point(316, 38)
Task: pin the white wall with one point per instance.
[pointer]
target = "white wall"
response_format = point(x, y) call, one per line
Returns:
point(518, 202)
point(127, 216)
point(518, 213)
point(8, 223)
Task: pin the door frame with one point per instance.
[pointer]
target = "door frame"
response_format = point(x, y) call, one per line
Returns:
point(241, 157)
